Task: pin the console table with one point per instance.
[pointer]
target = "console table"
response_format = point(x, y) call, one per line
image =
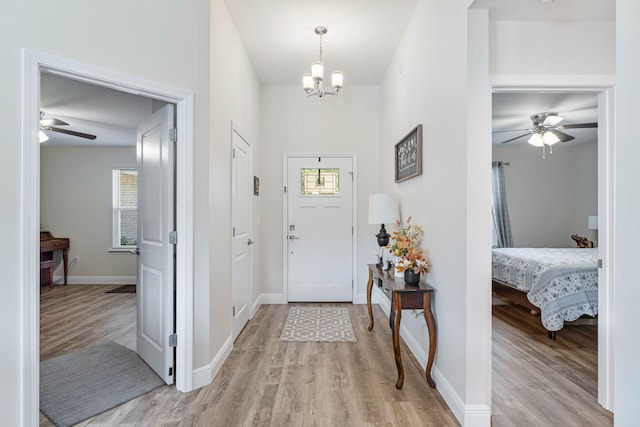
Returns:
point(403, 297)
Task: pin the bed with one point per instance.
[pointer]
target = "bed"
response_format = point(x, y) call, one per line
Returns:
point(560, 283)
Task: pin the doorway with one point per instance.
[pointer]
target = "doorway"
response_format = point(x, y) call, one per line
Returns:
point(604, 93)
point(319, 228)
point(35, 64)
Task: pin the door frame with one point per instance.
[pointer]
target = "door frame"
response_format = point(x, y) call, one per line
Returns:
point(34, 63)
point(603, 86)
point(354, 217)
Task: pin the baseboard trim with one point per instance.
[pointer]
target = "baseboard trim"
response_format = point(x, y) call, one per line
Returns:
point(273, 299)
point(203, 376)
point(360, 299)
point(96, 280)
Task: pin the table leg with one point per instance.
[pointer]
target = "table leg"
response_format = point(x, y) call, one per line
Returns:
point(64, 264)
point(369, 287)
point(397, 309)
point(431, 326)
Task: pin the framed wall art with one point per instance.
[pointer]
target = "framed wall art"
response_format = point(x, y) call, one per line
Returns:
point(408, 155)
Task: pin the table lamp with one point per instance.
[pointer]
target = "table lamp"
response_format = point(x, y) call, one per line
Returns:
point(383, 209)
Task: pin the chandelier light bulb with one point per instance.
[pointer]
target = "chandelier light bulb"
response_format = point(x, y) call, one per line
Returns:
point(317, 70)
point(312, 83)
point(307, 82)
point(336, 79)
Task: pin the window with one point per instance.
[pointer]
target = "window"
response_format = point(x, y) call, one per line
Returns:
point(125, 208)
point(325, 182)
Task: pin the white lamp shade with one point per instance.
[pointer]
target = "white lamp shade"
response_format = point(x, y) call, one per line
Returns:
point(550, 138)
point(336, 79)
point(383, 208)
point(317, 70)
point(536, 140)
point(592, 222)
point(307, 82)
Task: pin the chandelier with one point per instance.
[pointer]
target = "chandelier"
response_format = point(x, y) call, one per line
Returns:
point(312, 82)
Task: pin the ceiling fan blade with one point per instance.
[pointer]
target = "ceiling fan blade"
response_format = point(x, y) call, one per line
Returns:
point(511, 130)
point(52, 122)
point(71, 132)
point(580, 126)
point(517, 137)
point(563, 137)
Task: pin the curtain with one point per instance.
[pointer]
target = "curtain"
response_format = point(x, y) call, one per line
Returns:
point(502, 237)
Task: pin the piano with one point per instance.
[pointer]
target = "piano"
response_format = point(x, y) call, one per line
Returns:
point(48, 245)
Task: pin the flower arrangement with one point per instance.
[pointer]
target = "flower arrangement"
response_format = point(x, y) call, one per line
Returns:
point(404, 244)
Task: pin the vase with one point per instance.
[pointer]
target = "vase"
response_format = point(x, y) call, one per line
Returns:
point(410, 277)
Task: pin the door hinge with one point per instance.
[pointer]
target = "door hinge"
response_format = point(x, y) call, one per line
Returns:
point(233, 310)
point(173, 134)
point(173, 238)
point(233, 153)
point(599, 263)
point(170, 372)
point(233, 232)
point(285, 188)
point(173, 340)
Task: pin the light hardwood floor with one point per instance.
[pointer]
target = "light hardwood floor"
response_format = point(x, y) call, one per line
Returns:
point(267, 382)
point(542, 382)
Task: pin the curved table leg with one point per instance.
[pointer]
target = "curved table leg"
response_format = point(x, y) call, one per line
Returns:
point(369, 287)
point(397, 316)
point(431, 326)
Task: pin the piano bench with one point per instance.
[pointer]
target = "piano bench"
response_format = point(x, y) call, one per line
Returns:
point(47, 265)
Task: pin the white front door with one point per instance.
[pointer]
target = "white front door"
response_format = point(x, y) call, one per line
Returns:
point(241, 194)
point(319, 229)
point(155, 291)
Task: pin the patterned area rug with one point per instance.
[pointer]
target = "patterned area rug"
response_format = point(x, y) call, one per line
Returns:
point(318, 324)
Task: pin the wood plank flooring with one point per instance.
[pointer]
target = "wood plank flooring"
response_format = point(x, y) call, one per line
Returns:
point(542, 382)
point(267, 382)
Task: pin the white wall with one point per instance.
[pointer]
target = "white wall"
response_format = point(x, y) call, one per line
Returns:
point(550, 199)
point(627, 232)
point(426, 82)
point(75, 202)
point(291, 122)
point(235, 96)
point(547, 48)
point(148, 39)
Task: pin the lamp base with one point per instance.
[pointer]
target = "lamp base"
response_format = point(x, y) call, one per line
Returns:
point(383, 236)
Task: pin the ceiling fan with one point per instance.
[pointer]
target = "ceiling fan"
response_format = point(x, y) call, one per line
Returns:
point(546, 130)
point(52, 124)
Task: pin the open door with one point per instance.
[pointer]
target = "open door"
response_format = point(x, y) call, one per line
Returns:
point(155, 291)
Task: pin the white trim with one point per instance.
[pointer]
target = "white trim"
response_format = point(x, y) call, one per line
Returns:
point(354, 216)
point(95, 280)
point(360, 298)
point(204, 376)
point(604, 87)
point(33, 64)
point(273, 299)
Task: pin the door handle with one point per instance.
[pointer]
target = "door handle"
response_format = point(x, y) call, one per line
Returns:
point(292, 237)
point(135, 251)
point(250, 242)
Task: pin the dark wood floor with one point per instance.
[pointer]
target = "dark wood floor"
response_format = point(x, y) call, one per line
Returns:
point(267, 382)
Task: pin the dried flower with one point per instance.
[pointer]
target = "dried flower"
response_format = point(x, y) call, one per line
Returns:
point(404, 244)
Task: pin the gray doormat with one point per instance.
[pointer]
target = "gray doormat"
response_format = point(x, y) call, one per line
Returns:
point(87, 382)
point(318, 324)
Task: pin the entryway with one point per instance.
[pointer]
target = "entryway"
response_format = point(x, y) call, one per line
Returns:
point(319, 228)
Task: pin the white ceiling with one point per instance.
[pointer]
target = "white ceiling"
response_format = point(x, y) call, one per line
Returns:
point(281, 43)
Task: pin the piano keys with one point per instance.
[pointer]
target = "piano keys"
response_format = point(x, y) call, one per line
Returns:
point(48, 245)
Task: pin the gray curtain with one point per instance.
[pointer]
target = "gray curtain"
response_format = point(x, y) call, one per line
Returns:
point(502, 237)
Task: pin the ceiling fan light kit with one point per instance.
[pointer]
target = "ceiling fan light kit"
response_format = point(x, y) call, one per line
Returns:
point(312, 82)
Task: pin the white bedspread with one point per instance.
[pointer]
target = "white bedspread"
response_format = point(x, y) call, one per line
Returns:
point(562, 282)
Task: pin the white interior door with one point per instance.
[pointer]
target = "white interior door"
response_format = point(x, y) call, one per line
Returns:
point(241, 194)
point(155, 291)
point(319, 229)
